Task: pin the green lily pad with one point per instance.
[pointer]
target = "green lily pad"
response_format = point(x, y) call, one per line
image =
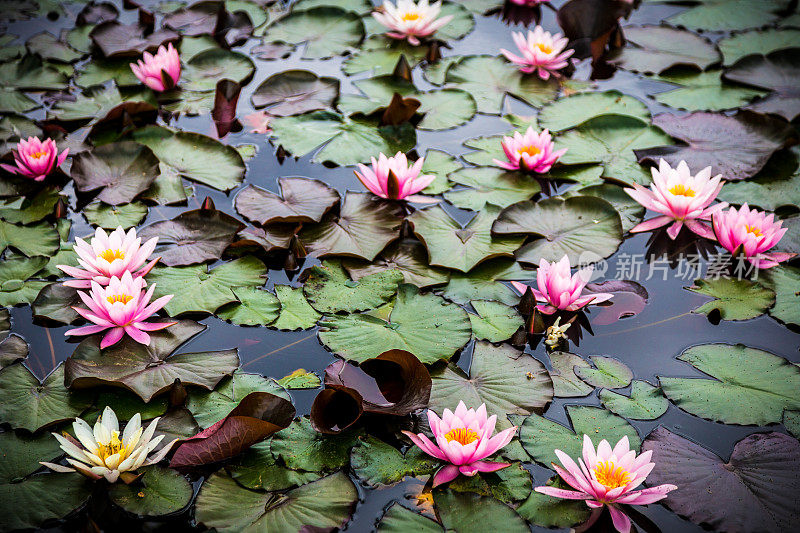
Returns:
point(300, 379)
point(749, 386)
point(29, 504)
point(293, 92)
point(398, 519)
point(484, 282)
point(227, 507)
point(97, 102)
point(158, 492)
point(630, 211)
point(489, 185)
point(785, 281)
point(255, 307)
point(51, 404)
point(763, 42)
point(111, 217)
point(728, 15)
point(467, 512)
point(408, 256)
point(461, 248)
point(423, 324)
point(494, 322)
point(54, 301)
point(379, 55)
point(327, 31)
point(211, 407)
point(295, 311)
point(197, 289)
point(566, 383)
point(329, 290)
point(440, 164)
point(540, 436)
point(574, 110)
point(36, 239)
point(734, 299)
point(552, 512)
point(31, 208)
point(609, 141)
point(194, 156)
point(378, 464)
point(791, 421)
point(204, 70)
point(776, 185)
point(609, 373)
point(30, 73)
point(257, 468)
point(584, 228)
point(99, 71)
point(15, 286)
point(301, 447)
point(149, 370)
point(646, 402)
point(22, 454)
point(658, 48)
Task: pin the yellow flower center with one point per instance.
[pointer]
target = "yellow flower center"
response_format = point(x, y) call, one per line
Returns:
point(610, 476)
point(110, 255)
point(104, 451)
point(530, 150)
point(755, 230)
point(544, 48)
point(681, 190)
point(124, 298)
point(461, 435)
point(37, 155)
point(411, 15)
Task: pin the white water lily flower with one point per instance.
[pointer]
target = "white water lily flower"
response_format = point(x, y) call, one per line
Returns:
point(103, 452)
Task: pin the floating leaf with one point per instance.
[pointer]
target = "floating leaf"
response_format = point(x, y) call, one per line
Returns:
point(257, 469)
point(574, 110)
point(494, 322)
point(329, 290)
point(728, 15)
point(775, 185)
point(739, 45)
point(293, 92)
point(630, 211)
point(122, 170)
point(409, 257)
point(423, 324)
point(195, 156)
point(646, 402)
point(55, 301)
point(204, 70)
point(193, 236)
point(566, 383)
point(46, 46)
point(752, 491)
point(540, 436)
point(295, 311)
point(776, 72)
point(380, 55)
point(257, 416)
point(583, 227)
point(363, 227)
point(398, 519)
point(327, 31)
point(661, 47)
point(549, 511)
point(158, 492)
point(785, 281)
point(735, 146)
point(488, 185)
point(13, 349)
point(301, 200)
point(99, 71)
point(750, 386)
point(128, 40)
point(378, 464)
point(51, 404)
point(227, 507)
point(197, 289)
point(470, 513)
point(111, 217)
point(36, 239)
point(300, 379)
point(301, 447)
point(609, 373)
point(612, 141)
point(703, 91)
point(734, 299)
point(39, 499)
point(483, 282)
point(149, 370)
point(16, 287)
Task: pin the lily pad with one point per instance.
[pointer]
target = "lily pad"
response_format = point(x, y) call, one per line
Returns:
point(409, 257)
point(488, 185)
point(775, 72)
point(254, 307)
point(423, 324)
point(609, 373)
point(51, 404)
point(36, 239)
point(494, 322)
point(362, 228)
point(630, 211)
point(452, 246)
point(295, 311)
point(728, 15)
point(661, 47)
point(329, 290)
point(257, 469)
point(703, 91)
point(225, 506)
point(33, 502)
point(743, 44)
point(378, 464)
point(379, 55)
point(566, 383)
point(158, 492)
point(751, 491)
point(301, 447)
point(327, 31)
point(54, 301)
point(775, 185)
point(735, 146)
point(300, 379)
point(149, 370)
point(581, 227)
point(540, 436)
point(483, 282)
point(293, 92)
point(734, 299)
point(122, 170)
point(549, 511)
point(785, 281)
point(111, 217)
point(195, 156)
point(197, 289)
point(128, 40)
point(749, 386)
point(204, 70)
point(301, 200)
point(467, 512)
point(16, 287)
point(646, 402)
point(398, 519)
point(574, 110)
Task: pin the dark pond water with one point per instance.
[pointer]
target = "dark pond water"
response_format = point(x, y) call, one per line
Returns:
point(647, 343)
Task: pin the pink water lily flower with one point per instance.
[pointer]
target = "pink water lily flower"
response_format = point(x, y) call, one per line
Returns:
point(410, 20)
point(109, 255)
point(533, 151)
point(121, 307)
point(35, 159)
point(559, 290)
point(161, 71)
point(751, 233)
point(680, 198)
point(541, 52)
point(392, 177)
point(607, 477)
point(463, 439)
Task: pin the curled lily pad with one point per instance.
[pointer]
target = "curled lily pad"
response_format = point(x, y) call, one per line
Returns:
point(592, 26)
point(149, 370)
point(336, 409)
point(294, 92)
point(257, 416)
point(301, 200)
point(329, 290)
point(122, 170)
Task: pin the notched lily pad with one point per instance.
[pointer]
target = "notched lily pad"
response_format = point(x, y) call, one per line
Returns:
point(122, 170)
point(329, 290)
point(734, 299)
point(300, 200)
point(294, 92)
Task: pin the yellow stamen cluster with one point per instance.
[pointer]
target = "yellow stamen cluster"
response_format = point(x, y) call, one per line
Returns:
point(755, 230)
point(611, 476)
point(544, 48)
point(681, 190)
point(530, 150)
point(463, 436)
point(124, 298)
point(110, 255)
point(37, 155)
point(411, 15)
point(114, 446)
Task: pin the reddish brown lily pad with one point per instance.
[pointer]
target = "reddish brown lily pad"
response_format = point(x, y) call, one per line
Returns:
point(778, 72)
point(122, 170)
point(301, 200)
point(336, 409)
point(258, 415)
point(128, 40)
point(294, 92)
